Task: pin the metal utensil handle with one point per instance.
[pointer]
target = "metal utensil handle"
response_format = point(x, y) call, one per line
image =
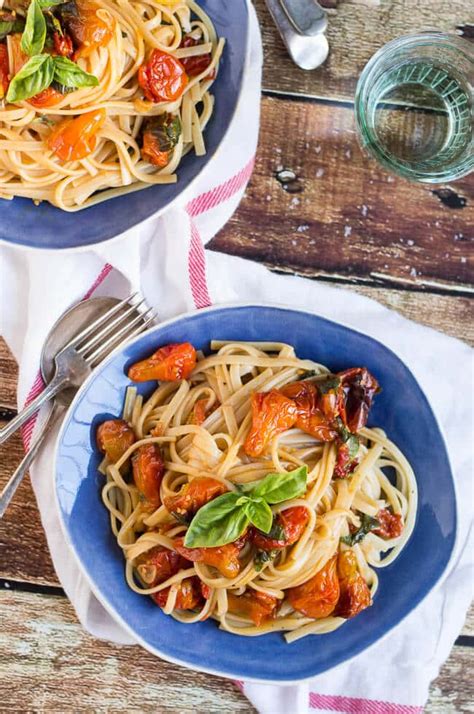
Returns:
point(17, 477)
point(307, 16)
point(51, 389)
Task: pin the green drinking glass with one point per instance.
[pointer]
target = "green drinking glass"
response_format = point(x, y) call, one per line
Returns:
point(414, 107)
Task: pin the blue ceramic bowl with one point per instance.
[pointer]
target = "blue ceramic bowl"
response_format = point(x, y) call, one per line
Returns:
point(401, 409)
point(44, 226)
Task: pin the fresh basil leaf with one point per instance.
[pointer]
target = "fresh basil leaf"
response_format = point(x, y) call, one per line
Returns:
point(34, 34)
point(260, 514)
point(70, 74)
point(44, 4)
point(9, 24)
point(36, 75)
point(219, 522)
point(353, 446)
point(262, 557)
point(367, 524)
point(276, 487)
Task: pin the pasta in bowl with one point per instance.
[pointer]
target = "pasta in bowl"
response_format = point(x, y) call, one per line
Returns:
point(101, 96)
point(400, 410)
point(248, 489)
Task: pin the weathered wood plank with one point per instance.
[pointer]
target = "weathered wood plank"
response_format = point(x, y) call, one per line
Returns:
point(355, 32)
point(48, 663)
point(43, 647)
point(8, 378)
point(317, 205)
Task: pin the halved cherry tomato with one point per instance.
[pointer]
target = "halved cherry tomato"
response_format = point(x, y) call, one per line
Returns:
point(358, 388)
point(87, 29)
point(193, 496)
point(291, 521)
point(63, 45)
point(318, 596)
point(49, 97)
point(74, 139)
point(316, 411)
point(344, 464)
point(4, 71)
point(391, 525)
point(148, 469)
point(355, 593)
point(272, 414)
point(258, 607)
point(189, 595)
point(168, 364)
point(225, 557)
point(197, 64)
point(162, 78)
point(114, 437)
point(158, 564)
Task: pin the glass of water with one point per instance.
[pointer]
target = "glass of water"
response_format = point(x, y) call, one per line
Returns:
point(415, 107)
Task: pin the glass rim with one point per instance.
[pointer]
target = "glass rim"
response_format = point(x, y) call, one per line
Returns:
point(365, 133)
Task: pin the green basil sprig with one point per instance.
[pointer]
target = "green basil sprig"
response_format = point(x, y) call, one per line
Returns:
point(225, 518)
point(10, 23)
point(367, 524)
point(45, 4)
point(39, 73)
point(34, 34)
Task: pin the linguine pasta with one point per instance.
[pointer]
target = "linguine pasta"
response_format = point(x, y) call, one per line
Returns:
point(116, 163)
point(379, 481)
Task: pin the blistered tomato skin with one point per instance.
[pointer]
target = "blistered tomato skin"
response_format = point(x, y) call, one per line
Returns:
point(257, 606)
point(355, 593)
point(4, 71)
point(198, 64)
point(114, 437)
point(162, 78)
point(293, 521)
point(168, 364)
point(315, 412)
point(193, 496)
point(148, 469)
point(318, 596)
point(75, 139)
point(357, 392)
point(224, 558)
point(391, 525)
point(189, 596)
point(272, 414)
point(87, 30)
point(158, 564)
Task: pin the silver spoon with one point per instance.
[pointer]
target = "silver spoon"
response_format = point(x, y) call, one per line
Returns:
point(301, 24)
point(78, 319)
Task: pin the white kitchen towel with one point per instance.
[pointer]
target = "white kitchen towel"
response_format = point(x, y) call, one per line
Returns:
point(166, 260)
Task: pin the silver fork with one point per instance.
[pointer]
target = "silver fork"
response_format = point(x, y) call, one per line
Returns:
point(76, 360)
point(73, 364)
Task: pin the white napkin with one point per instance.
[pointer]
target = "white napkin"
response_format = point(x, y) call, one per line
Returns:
point(165, 258)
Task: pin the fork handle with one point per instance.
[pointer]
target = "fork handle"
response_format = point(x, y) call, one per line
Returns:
point(58, 383)
point(10, 489)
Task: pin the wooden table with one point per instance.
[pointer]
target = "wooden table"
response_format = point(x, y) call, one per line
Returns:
point(335, 217)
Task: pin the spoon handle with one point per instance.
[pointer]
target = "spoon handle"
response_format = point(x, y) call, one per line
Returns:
point(51, 389)
point(17, 477)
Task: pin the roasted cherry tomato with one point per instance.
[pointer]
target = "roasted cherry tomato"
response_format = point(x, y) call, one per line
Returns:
point(49, 97)
point(355, 593)
point(168, 364)
point(114, 437)
point(344, 463)
point(158, 564)
point(74, 139)
point(63, 45)
point(391, 525)
point(199, 413)
point(258, 607)
point(225, 557)
point(87, 29)
point(288, 527)
point(318, 596)
point(160, 136)
point(193, 496)
point(315, 411)
point(162, 78)
point(4, 71)
point(199, 63)
point(189, 596)
point(272, 414)
point(358, 388)
point(148, 469)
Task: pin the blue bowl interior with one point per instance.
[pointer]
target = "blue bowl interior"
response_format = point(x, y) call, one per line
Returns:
point(401, 409)
point(44, 226)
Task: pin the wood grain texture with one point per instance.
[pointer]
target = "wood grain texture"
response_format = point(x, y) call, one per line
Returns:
point(48, 663)
point(8, 377)
point(317, 205)
point(355, 32)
